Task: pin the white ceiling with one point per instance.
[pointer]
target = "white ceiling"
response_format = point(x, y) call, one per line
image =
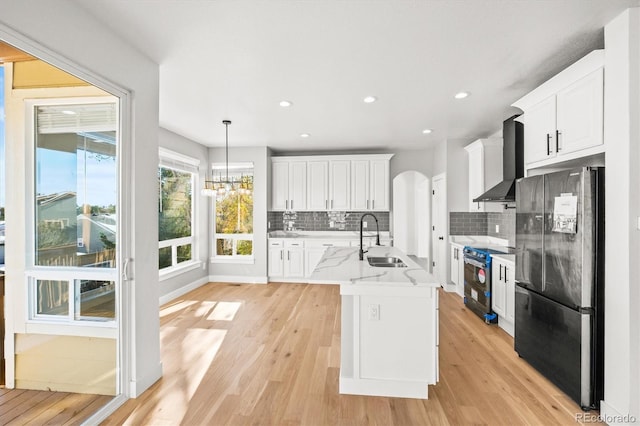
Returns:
point(238, 59)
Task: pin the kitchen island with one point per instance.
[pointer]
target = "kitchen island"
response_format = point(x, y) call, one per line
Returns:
point(389, 329)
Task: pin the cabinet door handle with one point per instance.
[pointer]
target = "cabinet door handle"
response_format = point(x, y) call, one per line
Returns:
point(288, 255)
point(373, 204)
point(331, 204)
point(558, 133)
point(328, 245)
point(367, 204)
point(280, 254)
point(548, 144)
point(286, 204)
point(291, 204)
point(500, 277)
point(505, 275)
point(326, 204)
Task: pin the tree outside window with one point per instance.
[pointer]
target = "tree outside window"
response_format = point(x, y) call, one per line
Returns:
point(175, 216)
point(234, 213)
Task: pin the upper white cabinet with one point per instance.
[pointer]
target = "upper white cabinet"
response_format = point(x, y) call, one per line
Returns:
point(317, 185)
point(339, 185)
point(370, 184)
point(379, 185)
point(289, 185)
point(331, 182)
point(563, 118)
point(485, 171)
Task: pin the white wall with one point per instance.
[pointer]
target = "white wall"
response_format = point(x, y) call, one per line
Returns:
point(78, 43)
point(177, 285)
point(622, 245)
point(411, 214)
point(457, 175)
point(257, 271)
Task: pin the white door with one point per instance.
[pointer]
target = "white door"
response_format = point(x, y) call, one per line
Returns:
point(439, 228)
point(318, 185)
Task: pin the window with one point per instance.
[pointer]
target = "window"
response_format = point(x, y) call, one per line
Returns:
point(71, 275)
point(233, 239)
point(176, 180)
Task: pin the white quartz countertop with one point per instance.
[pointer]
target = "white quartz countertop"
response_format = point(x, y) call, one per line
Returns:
point(340, 265)
point(505, 257)
point(327, 235)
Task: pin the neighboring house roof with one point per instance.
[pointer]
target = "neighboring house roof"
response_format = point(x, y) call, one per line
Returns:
point(43, 200)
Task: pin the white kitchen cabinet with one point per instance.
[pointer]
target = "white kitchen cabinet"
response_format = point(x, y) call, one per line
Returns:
point(276, 258)
point(289, 185)
point(563, 118)
point(286, 258)
point(379, 185)
point(314, 249)
point(360, 196)
point(503, 293)
point(485, 171)
point(318, 185)
point(539, 131)
point(457, 268)
point(340, 185)
point(294, 260)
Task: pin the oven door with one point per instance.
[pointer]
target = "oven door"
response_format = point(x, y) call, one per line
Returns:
point(477, 288)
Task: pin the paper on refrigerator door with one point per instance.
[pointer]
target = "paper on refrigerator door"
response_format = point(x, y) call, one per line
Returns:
point(565, 214)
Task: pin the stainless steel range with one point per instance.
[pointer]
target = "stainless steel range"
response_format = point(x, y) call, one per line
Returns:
point(477, 280)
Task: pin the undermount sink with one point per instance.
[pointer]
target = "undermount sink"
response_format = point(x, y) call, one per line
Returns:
point(386, 262)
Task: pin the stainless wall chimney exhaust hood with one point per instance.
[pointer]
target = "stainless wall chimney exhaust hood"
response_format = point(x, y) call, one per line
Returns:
point(512, 163)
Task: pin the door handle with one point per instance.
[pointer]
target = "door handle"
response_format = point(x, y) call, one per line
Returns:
point(441, 238)
point(500, 276)
point(125, 269)
point(548, 144)
point(505, 275)
point(558, 133)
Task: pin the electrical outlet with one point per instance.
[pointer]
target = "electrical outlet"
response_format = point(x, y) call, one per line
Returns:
point(374, 312)
point(497, 229)
point(364, 224)
point(331, 224)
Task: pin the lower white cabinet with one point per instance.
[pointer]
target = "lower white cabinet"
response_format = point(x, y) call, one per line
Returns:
point(314, 250)
point(503, 293)
point(286, 259)
point(457, 268)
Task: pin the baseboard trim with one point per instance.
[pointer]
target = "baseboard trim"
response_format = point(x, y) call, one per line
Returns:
point(610, 416)
point(183, 290)
point(136, 387)
point(237, 279)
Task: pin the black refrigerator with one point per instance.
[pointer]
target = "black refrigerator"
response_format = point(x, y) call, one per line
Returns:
point(559, 309)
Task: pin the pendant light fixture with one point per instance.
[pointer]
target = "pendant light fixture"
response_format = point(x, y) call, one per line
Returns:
point(222, 187)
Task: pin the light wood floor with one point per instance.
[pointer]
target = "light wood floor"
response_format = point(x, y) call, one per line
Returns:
point(21, 407)
point(253, 354)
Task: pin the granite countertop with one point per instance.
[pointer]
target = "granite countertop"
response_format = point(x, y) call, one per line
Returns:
point(340, 265)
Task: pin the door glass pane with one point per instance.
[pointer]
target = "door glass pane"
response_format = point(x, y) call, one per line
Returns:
point(95, 299)
point(53, 297)
point(75, 185)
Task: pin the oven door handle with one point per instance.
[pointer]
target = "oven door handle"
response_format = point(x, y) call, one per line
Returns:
point(474, 263)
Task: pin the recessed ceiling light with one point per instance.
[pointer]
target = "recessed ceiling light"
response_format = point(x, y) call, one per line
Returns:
point(461, 95)
point(69, 112)
point(427, 131)
point(304, 135)
point(286, 103)
point(370, 99)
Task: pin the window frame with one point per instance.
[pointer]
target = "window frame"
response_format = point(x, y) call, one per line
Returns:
point(45, 323)
point(184, 164)
point(233, 258)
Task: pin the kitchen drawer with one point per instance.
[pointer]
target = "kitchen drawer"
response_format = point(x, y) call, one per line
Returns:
point(294, 243)
point(276, 243)
point(327, 243)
